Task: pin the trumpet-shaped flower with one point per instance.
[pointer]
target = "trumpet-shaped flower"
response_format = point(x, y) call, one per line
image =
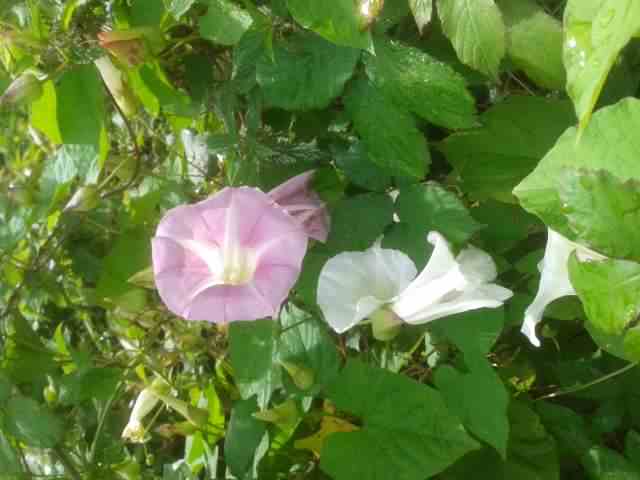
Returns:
point(382, 284)
point(234, 256)
point(126, 45)
point(554, 279)
point(302, 203)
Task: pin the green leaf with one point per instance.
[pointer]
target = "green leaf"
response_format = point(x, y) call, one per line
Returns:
point(5, 388)
point(431, 207)
point(155, 91)
point(44, 114)
point(476, 31)
point(602, 145)
point(338, 21)
point(8, 458)
point(410, 239)
point(473, 332)
point(32, 423)
point(632, 447)
point(500, 235)
point(144, 13)
point(93, 384)
point(243, 437)
point(306, 344)
point(596, 204)
point(356, 222)
point(595, 33)
point(80, 106)
point(532, 451)
point(360, 170)
point(567, 426)
point(534, 42)
point(224, 23)
point(480, 400)
point(407, 431)
point(305, 73)
point(421, 10)
point(418, 82)
point(253, 351)
point(178, 8)
point(251, 48)
point(490, 160)
point(388, 132)
point(25, 358)
point(130, 254)
point(602, 463)
point(610, 294)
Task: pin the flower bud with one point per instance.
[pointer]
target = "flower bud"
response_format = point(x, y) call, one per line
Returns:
point(126, 45)
point(302, 377)
point(385, 324)
point(148, 398)
point(284, 415)
point(85, 199)
point(117, 87)
point(24, 89)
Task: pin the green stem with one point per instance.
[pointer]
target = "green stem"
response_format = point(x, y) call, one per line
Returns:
point(584, 386)
point(67, 463)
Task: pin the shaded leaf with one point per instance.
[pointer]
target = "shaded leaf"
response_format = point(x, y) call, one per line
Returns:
point(492, 159)
point(32, 423)
point(243, 437)
point(224, 23)
point(602, 463)
point(401, 420)
point(388, 132)
point(306, 72)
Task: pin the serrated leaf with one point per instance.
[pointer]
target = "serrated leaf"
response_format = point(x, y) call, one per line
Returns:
point(305, 73)
point(477, 32)
point(224, 23)
point(80, 106)
point(388, 132)
point(418, 82)
point(421, 10)
point(595, 33)
point(253, 347)
point(305, 343)
point(534, 42)
point(431, 207)
point(360, 170)
point(603, 145)
point(596, 204)
point(402, 420)
point(610, 294)
point(32, 423)
point(356, 222)
point(480, 400)
point(490, 160)
point(339, 21)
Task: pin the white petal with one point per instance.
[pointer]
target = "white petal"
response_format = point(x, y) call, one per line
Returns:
point(483, 296)
point(352, 285)
point(439, 264)
point(477, 266)
point(554, 281)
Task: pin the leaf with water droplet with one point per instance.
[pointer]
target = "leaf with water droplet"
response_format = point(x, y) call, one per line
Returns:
point(595, 33)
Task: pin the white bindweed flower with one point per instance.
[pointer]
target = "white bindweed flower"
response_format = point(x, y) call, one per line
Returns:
point(381, 284)
point(554, 279)
point(146, 401)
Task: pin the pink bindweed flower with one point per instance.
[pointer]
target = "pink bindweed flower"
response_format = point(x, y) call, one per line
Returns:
point(234, 256)
point(303, 204)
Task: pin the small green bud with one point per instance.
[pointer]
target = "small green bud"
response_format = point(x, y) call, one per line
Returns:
point(24, 89)
point(385, 324)
point(302, 377)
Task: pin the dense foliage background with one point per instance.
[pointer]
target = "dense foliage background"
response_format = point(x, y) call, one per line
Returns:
point(451, 102)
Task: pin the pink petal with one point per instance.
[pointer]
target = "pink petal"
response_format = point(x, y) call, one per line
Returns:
point(297, 198)
point(240, 223)
point(178, 272)
point(229, 303)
